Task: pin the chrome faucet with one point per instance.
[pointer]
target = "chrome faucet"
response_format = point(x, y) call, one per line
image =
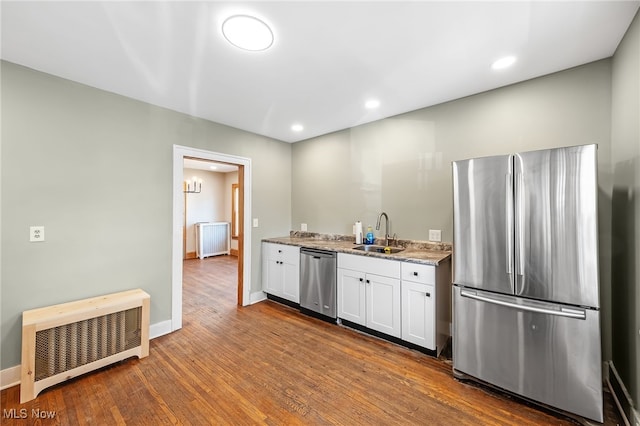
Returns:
point(386, 227)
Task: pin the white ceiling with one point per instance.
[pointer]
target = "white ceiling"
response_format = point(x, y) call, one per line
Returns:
point(328, 57)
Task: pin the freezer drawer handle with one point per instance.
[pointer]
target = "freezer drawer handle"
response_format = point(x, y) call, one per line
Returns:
point(563, 312)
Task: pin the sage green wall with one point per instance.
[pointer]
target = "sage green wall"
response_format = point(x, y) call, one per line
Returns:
point(625, 248)
point(402, 165)
point(95, 169)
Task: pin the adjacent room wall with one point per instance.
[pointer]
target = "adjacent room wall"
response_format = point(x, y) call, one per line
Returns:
point(625, 221)
point(95, 169)
point(206, 206)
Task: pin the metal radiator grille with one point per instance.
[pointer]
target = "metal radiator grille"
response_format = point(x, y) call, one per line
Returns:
point(69, 346)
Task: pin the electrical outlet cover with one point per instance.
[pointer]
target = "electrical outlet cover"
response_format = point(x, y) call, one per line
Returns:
point(36, 234)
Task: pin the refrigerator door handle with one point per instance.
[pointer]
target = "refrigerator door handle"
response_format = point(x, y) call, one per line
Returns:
point(509, 221)
point(519, 224)
point(563, 312)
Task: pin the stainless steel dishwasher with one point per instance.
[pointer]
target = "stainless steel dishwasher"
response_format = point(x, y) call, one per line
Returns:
point(318, 282)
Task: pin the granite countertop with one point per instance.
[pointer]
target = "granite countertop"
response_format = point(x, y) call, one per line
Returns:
point(424, 252)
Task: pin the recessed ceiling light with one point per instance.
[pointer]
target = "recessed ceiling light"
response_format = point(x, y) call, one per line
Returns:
point(503, 63)
point(372, 104)
point(297, 127)
point(213, 167)
point(247, 32)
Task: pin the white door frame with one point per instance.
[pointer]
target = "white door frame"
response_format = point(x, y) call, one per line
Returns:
point(179, 153)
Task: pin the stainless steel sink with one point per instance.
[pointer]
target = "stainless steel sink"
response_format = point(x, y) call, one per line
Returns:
point(378, 249)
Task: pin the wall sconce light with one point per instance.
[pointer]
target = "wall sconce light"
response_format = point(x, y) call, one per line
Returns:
point(192, 186)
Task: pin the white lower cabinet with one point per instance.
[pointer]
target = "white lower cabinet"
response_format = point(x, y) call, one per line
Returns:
point(351, 296)
point(281, 271)
point(383, 304)
point(410, 301)
point(426, 304)
point(418, 304)
point(418, 314)
point(369, 293)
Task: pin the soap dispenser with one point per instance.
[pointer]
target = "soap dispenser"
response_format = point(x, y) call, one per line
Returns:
point(369, 238)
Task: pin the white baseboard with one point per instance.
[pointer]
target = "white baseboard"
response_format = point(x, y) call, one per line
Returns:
point(160, 329)
point(256, 297)
point(10, 377)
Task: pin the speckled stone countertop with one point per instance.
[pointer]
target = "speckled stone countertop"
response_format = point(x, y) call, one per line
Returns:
point(424, 252)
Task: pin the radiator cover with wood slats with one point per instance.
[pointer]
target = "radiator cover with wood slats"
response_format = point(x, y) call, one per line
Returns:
point(212, 239)
point(63, 341)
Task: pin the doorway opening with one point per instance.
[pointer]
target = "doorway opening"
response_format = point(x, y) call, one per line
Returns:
point(211, 209)
point(242, 229)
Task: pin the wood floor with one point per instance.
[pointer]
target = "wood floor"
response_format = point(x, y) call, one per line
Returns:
point(269, 364)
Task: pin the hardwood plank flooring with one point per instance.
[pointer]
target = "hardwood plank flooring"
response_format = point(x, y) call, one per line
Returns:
point(269, 364)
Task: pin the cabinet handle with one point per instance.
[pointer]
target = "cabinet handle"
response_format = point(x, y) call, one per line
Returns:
point(415, 274)
point(368, 282)
point(279, 251)
point(361, 279)
point(428, 294)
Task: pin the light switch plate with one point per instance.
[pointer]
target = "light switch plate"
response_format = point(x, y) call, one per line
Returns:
point(435, 235)
point(36, 234)
point(255, 222)
point(303, 226)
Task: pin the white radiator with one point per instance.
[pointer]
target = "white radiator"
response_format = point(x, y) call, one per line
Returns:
point(64, 341)
point(212, 239)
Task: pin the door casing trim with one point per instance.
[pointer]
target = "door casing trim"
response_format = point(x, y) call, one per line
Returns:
point(179, 153)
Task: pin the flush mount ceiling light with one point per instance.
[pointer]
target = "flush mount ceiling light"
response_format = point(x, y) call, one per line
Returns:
point(503, 63)
point(297, 127)
point(372, 104)
point(247, 32)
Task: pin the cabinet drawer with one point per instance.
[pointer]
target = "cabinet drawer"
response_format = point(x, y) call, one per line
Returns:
point(283, 253)
point(370, 265)
point(418, 273)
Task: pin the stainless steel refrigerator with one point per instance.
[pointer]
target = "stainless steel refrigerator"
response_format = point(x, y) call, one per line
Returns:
point(525, 274)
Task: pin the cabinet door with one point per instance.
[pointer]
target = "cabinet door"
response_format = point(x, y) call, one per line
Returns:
point(418, 314)
point(351, 296)
point(383, 304)
point(291, 281)
point(273, 284)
